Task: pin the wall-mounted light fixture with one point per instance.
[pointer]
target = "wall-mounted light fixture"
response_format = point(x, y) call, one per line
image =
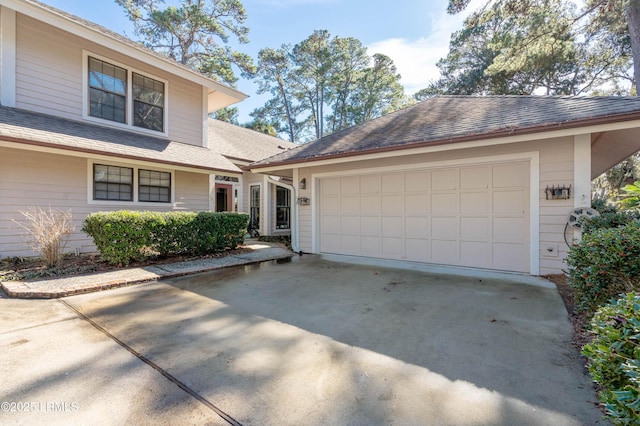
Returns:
point(558, 192)
point(303, 183)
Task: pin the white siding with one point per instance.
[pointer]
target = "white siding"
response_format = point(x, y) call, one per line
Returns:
point(49, 79)
point(31, 179)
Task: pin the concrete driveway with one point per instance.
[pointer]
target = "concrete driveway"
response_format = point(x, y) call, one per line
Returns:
point(307, 342)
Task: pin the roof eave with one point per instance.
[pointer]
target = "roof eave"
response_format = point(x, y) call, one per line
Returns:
point(63, 148)
point(455, 140)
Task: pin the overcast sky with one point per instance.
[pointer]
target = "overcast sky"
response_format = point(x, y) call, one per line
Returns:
point(414, 33)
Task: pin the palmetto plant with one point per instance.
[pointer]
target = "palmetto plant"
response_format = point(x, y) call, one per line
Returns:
point(631, 199)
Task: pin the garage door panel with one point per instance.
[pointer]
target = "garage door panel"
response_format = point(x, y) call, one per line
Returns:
point(417, 250)
point(475, 216)
point(350, 185)
point(417, 226)
point(444, 251)
point(392, 226)
point(444, 180)
point(475, 254)
point(370, 226)
point(509, 202)
point(370, 205)
point(392, 204)
point(444, 227)
point(510, 176)
point(350, 206)
point(474, 228)
point(474, 178)
point(415, 205)
point(350, 225)
point(370, 246)
point(370, 184)
point(511, 257)
point(393, 247)
point(350, 244)
point(474, 203)
point(508, 229)
point(416, 182)
point(444, 204)
point(330, 186)
point(392, 183)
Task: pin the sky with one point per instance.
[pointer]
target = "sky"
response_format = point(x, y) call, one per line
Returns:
point(413, 33)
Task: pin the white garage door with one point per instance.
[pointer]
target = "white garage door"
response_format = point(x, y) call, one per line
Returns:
point(466, 216)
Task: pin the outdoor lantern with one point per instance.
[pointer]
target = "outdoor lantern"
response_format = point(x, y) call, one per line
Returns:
point(303, 183)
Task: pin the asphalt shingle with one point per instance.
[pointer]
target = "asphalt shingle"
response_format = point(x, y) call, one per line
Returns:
point(451, 119)
point(45, 130)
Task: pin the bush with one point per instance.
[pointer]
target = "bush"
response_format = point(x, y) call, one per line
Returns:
point(604, 264)
point(125, 236)
point(614, 358)
point(48, 232)
point(609, 219)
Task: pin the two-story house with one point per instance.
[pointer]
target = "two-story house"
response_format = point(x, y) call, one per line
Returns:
point(92, 121)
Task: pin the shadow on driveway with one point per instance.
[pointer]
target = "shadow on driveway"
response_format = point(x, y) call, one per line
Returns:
point(318, 342)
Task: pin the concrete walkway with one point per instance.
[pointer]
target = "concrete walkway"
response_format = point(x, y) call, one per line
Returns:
point(87, 283)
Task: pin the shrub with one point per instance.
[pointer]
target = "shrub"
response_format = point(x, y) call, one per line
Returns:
point(125, 236)
point(609, 219)
point(614, 358)
point(604, 264)
point(48, 232)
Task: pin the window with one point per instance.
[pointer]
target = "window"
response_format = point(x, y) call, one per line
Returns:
point(283, 208)
point(154, 186)
point(254, 207)
point(107, 91)
point(148, 103)
point(125, 96)
point(112, 183)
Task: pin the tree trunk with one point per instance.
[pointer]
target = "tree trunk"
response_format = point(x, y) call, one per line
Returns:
point(633, 22)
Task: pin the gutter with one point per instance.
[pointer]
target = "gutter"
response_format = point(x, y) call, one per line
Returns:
point(294, 213)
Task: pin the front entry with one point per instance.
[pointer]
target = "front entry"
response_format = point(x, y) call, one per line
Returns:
point(224, 197)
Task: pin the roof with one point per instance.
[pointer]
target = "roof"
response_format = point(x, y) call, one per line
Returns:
point(244, 144)
point(43, 130)
point(453, 119)
point(227, 95)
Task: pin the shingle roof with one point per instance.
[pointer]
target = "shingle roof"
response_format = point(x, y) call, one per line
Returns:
point(45, 130)
point(451, 119)
point(240, 143)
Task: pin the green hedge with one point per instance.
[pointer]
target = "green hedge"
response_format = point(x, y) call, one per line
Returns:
point(605, 264)
point(614, 358)
point(125, 236)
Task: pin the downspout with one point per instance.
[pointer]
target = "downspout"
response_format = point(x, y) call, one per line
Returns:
point(294, 213)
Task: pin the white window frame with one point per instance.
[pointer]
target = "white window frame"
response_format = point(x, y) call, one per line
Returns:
point(129, 97)
point(136, 168)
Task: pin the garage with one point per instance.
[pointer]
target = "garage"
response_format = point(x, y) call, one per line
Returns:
point(472, 215)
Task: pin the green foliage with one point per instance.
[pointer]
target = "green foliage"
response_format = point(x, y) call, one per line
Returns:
point(194, 33)
point(631, 199)
point(125, 236)
point(609, 219)
point(614, 358)
point(324, 84)
point(604, 264)
point(538, 46)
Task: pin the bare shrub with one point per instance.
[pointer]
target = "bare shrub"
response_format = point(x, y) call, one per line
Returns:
point(48, 232)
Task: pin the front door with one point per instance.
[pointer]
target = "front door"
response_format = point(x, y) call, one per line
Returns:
point(224, 199)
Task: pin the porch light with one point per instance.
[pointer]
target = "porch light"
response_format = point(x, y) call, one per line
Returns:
point(303, 183)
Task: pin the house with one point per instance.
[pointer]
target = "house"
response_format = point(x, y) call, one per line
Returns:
point(92, 121)
point(483, 182)
point(266, 200)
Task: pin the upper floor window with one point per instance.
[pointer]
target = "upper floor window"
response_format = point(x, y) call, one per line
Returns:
point(125, 96)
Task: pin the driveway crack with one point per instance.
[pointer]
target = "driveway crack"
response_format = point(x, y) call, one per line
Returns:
point(155, 366)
